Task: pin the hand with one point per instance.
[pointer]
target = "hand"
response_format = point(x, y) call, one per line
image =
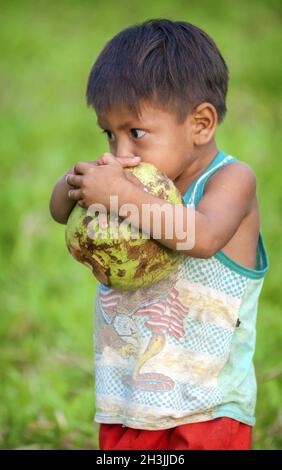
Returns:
point(97, 181)
point(125, 163)
point(107, 158)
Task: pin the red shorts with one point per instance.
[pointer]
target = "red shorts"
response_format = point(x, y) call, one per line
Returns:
point(216, 434)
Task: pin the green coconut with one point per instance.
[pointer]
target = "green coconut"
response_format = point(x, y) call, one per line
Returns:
point(117, 259)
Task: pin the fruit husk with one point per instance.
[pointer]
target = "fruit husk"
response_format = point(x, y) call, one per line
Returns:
point(116, 259)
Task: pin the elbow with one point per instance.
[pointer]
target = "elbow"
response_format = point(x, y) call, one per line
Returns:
point(205, 247)
point(209, 246)
point(208, 240)
point(55, 216)
point(52, 212)
point(60, 220)
point(208, 251)
point(203, 241)
point(204, 252)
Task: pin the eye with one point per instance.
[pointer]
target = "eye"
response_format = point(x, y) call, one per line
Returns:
point(107, 133)
point(136, 130)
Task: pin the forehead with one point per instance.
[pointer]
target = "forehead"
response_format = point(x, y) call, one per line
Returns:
point(150, 116)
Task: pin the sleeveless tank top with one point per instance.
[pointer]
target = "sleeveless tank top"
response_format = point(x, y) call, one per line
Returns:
point(180, 351)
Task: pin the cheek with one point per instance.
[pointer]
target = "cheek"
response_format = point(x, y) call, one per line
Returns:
point(167, 156)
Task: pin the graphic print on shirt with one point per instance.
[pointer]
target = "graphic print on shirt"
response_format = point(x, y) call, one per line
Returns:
point(163, 313)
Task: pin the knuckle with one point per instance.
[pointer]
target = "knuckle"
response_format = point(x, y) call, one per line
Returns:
point(91, 170)
point(123, 161)
point(77, 165)
point(107, 157)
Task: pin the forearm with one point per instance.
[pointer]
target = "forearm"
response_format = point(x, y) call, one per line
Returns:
point(60, 205)
point(175, 226)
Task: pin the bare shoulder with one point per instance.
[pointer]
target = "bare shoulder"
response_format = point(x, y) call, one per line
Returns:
point(236, 177)
point(234, 173)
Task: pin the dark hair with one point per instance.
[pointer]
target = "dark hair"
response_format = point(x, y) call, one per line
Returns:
point(173, 64)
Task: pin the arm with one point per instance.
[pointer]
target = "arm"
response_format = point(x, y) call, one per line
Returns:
point(60, 205)
point(226, 201)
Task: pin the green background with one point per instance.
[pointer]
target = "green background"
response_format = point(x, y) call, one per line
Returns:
point(47, 49)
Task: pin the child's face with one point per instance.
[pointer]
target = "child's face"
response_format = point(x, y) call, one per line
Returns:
point(157, 138)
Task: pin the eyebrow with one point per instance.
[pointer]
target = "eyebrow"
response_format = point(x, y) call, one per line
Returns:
point(123, 126)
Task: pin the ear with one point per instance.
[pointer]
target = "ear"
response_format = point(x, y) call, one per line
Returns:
point(204, 123)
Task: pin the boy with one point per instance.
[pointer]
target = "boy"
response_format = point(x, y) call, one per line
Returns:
point(174, 361)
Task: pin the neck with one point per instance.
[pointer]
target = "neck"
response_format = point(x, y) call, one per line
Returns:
point(199, 162)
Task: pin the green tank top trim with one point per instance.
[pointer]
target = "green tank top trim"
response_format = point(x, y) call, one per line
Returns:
point(262, 262)
point(194, 194)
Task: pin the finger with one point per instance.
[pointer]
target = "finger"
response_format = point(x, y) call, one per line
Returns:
point(93, 162)
point(82, 168)
point(129, 161)
point(131, 177)
point(75, 194)
point(74, 180)
point(109, 159)
point(99, 161)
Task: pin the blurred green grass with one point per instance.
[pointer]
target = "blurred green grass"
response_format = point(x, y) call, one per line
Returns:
point(46, 328)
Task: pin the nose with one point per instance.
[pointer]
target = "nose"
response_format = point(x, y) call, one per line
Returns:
point(124, 149)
